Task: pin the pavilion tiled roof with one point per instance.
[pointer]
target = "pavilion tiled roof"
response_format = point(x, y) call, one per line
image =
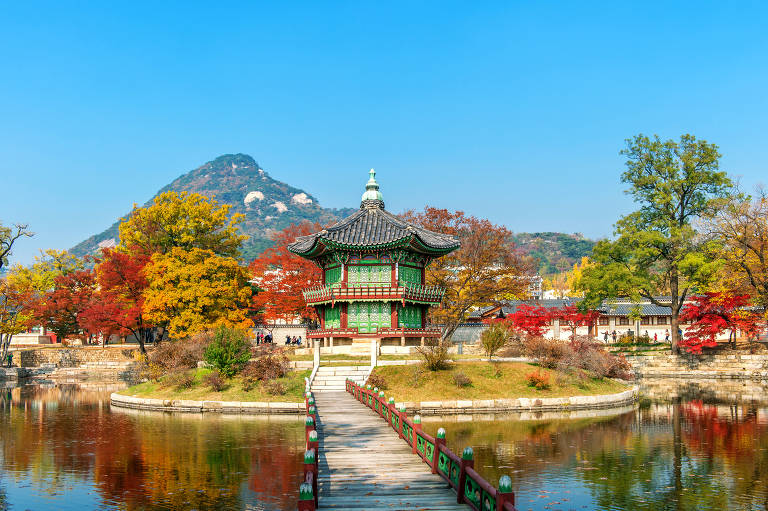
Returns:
point(371, 226)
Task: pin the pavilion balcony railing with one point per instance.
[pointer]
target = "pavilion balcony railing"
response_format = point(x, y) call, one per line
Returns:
point(429, 331)
point(381, 291)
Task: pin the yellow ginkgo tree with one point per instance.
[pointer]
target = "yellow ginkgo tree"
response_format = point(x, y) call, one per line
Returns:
point(191, 291)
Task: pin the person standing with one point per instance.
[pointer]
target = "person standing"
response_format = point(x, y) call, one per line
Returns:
point(614, 336)
point(666, 335)
point(605, 336)
point(655, 337)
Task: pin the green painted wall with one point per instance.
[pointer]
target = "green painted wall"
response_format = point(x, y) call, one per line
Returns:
point(333, 317)
point(369, 274)
point(409, 316)
point(368, 317)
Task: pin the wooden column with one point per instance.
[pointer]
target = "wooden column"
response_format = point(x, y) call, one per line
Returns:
point(394, 315)
point(344, 318)
point(402, 340)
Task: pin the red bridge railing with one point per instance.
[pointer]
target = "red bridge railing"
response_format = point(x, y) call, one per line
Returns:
point(459, 472)
point(308, 497)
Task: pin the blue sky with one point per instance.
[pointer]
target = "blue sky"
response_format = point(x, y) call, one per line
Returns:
point(512, 111)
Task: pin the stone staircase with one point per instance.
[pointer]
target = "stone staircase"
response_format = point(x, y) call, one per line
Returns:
point(333, 378)
point(740, 366)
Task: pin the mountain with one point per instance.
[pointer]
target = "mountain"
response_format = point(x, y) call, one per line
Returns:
point(236, 179)
point(270, 205)
point(555, 251)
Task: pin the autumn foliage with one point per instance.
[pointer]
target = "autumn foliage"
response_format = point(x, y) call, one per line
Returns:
point(712, 314)
point(118, 304)
point(281, 276)
point(487, 266)
point(535, 320)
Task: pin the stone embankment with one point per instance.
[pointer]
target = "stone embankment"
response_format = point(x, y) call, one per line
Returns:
point(713, 366)
point(73, 365)
point(523, 404)
point(183, 405)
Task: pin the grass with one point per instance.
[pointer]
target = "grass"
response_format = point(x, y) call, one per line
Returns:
point(496, 380)
point(293, 382)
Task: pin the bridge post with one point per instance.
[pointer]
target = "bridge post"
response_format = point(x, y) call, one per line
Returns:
point(467, 460)
point(403, 415)
point(306, 498)
point(416, 429)
point(504, 495)
point(310, 466)
point(315, 354)
point(439, 443)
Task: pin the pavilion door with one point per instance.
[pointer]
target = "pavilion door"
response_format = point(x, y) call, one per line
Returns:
point(368, 317)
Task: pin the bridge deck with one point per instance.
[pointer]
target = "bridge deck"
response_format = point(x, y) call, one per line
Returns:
point(365, 466)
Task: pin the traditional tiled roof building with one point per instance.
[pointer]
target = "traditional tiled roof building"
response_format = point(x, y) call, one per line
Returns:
point(373, 276)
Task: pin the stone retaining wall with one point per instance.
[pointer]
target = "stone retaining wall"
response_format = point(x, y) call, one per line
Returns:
point(523, 404)
point(721, 366)
point(73, 357)
point(182, 405)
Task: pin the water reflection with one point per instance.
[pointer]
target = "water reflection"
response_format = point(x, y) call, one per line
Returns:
point(685, 455)
point(63, 448)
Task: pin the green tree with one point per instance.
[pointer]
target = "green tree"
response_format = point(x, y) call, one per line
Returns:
point(658, 251)
point(494, 338)
point(229, 351)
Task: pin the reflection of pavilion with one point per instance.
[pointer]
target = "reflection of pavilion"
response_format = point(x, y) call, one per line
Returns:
point(373, 277)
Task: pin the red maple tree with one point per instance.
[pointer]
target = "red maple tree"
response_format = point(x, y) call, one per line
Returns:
point(531, 320)
point(572, 318)
point(281, 276)
point(117, 307)
point(535, 320)
point(60, 310)
point(714, 313)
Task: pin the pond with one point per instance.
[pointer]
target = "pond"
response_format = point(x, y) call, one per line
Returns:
point(691, 453)
point(62, 447)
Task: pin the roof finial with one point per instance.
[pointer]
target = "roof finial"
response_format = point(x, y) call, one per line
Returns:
point(372, 193)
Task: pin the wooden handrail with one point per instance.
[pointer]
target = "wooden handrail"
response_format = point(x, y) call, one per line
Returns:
point(459, 472)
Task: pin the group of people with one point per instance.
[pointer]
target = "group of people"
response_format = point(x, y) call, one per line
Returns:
point(293, 340)
point(262, 338)
point(614, 335)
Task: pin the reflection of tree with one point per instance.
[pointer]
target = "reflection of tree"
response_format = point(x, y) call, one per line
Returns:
point(147, 461)
point(678, 456)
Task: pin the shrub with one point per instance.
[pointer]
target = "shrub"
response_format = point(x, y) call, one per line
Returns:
point(461, 380)
point(180, 379)
point(274, 388)
point(171, 356)
point(494, 338)
point(377, 380)
point(229, 351)
point(215, 381)
point(435, 354)
point(265, 368)
point(585, 355)
point(538, 380)
point(547, 352)
point(416, 375)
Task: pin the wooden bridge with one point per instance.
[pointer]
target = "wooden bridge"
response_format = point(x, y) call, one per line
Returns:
point(364, 454)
